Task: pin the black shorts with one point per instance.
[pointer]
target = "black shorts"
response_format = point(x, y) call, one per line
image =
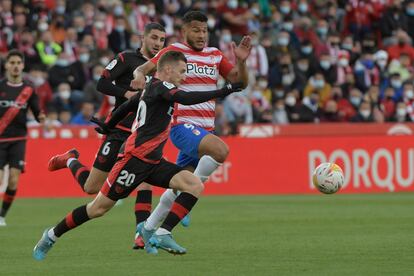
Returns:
point(107, 154)
point(130, 171)
point(13, 154)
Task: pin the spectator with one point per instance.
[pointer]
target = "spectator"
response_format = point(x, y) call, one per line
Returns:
point(318, 85)
point(67, 100)
point(366, 74)
point(309, 111)
point(330, 112)
point(38, 77)
point(401, 114)
point(345, 109)
point(26, 46)
point(235, 17)
point(327, 69)
point(66, 72)
point(257, 61)
point(403, 46)
point(119, 37)
point(364, 114)
point(280, 115)
point(47, 49)
point(84, 115)
point(65, 116)
point(92, 95)
point(393, 19)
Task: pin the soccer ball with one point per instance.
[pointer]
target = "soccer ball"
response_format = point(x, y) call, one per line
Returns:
point(328, 178)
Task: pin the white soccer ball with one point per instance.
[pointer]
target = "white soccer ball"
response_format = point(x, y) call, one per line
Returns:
point(328, 178)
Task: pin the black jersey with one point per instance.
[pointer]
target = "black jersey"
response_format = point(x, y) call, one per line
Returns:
point(15, 100)
point(116, 80)
point(155, 108)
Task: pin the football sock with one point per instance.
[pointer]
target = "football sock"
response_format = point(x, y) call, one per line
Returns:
point(143, 205)
point(206, 166)
point(72, 220)
point(79, 171)
point(161, 211)
point(180, 208)
point(8, 199)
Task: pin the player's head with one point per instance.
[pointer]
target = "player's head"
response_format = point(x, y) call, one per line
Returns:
point(14, 63)
point(195, 29)
point(172, 67)
point(154, 38)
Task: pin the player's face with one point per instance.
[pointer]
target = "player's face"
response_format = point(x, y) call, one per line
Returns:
point(154, 41)
point(177, 74)
point(14, 66)
point(196, 34)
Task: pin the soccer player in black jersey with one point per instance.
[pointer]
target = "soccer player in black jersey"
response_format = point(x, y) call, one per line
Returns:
point(142, 159)
point(120, 70)
point(16, 97)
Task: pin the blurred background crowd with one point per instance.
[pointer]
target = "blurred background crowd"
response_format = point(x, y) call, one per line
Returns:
point(312, 60)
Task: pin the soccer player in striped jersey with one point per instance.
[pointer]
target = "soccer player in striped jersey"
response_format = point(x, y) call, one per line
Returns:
point(200, 150)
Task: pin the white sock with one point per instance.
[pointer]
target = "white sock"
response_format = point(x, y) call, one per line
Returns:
point(69, 161)
point(162, 231)
point(51, 235)
point(161, 211)
point(206, 166)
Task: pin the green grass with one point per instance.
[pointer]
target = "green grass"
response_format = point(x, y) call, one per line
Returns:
point(261, 235)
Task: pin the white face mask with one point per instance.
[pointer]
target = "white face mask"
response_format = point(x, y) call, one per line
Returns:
point(303, 66)
point(283, 41)
point(401, 112)
point(409, 94)
point(84, 58)
point(104, 61)
point(120, 28)
point(287, 79)
point(38, 81)
point(233, 4)
point(396, 83)
point(343, 62)
point(303, 7)
point(226, 38)
point(262, 84)
point(151, 12)
point(64, 94)
point(211, 23)
point(43, 27)
point(99, 25)
point(135, 45)
point(288, 26)
point(325, 64)
point(290, 101)
point(365, 113)
point(143, 9)
point(382, 63)
point(318, 84)
point(96, 77)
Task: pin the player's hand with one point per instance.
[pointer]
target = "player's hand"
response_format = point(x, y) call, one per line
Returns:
point(129, 94)
point(242, 51)
point(232, 87)
point(102, 127)
point(139, 80)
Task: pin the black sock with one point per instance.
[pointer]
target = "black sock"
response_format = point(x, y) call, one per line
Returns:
point(143, 205)
point(8, 199)
point(79, 171)
point(180, 208)
point(72, 220)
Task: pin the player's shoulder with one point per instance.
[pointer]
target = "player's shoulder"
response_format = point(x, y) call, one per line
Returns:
point(161, 86)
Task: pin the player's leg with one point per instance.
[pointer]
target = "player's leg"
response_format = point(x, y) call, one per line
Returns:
point(191, 188)
point(16, 157)
point(97, 208)
point(142, 209)
point(3, 163)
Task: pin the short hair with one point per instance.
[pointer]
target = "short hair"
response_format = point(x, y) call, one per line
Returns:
point(170, 57)
point(13, 53)
point(194, 16)
point(153, 26)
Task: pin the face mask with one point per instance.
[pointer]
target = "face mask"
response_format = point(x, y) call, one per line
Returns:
point(369, 64)
point(255, 41)
point(135, 45)
point(365, 113)
point(322, 31)
point(343, 62)
point(143, 9)
point(211, 23)
point(226, 38)
point(396, 83)
point(306, 50)
point(285, 9)
point(80, 29)
point(104, 61)
point(64, 94)
point(84, 58)
point(325, 64)
point(43, 27)
point(262, 84)
point(118, 11)
point(409, 94)
point(232, 4)
point(120, 28)
point(99, 25)
point(287, 79)
point(283, 41)
point(382, 63)
point(318, 84)
point(347, 47)
point(96, 77)
point(303, 67)
point(303, 7)
point(280, 93)
point(355, 100)
point(60, 9)
point(288, 26)
point(401, 112)
point(151, 13)
point(290, 101)
point(62, 62)
point(38, 81)
point(255, 11)
point(410, 11)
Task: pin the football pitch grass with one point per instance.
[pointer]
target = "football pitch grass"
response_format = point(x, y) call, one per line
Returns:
point(238, 235)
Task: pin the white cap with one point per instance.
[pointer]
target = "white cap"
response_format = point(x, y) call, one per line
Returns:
point(381, 54)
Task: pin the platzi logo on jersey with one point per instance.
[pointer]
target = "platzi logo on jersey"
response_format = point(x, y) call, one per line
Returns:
point(204, 70)
point(12, 104)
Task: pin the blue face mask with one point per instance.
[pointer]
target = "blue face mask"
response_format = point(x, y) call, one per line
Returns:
point(322, 30)
point(410, 11)
point(306, 50)
point(369, 64)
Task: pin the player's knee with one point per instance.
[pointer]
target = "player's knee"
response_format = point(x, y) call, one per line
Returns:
point(97, 211)
point(144, 186)
point(92, 187)
point(13, 181)
point(220, 152)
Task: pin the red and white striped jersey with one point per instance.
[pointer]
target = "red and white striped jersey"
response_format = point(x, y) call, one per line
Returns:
point(203, 70)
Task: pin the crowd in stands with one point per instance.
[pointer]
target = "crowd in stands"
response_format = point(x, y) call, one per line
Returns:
point(311, 61)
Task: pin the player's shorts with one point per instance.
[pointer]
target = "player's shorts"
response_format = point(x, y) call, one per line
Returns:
point(107, 154)
point(130, 171)
point(13, 153)
point(187, 138)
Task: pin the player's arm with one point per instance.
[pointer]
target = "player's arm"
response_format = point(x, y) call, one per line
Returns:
point(195, 97)
point(239, 73)
point(120, 113)
point(113, 70)
point(35, 108)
